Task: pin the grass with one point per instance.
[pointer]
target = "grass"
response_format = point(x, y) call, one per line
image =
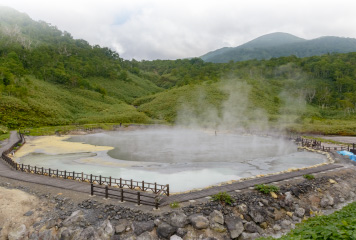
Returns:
point(339, 225)
point(4, 136)
point(309, 176)
point(174, 205)
point(223, 197)
point(266, 188)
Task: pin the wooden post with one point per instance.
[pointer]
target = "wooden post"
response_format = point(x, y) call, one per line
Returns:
point(35, 170)
point(73, 175)
point(91, 178)
point(122, 195)
point(49, 172)
point(167, 190)
point(120, 182)
point(65, 174)
point(16, 167)
point(138, 198)
point(143, 185)
point(22, 167)
point(156, 203)
point(131, 184)
point(82, 177)
point(42, 171)
point(106, 192)
point(100, 180)
point(92, 189)
point(110, 181)
point(57, 172)
point(29, 168)
point(155, 187)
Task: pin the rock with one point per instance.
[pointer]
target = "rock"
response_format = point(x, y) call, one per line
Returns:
point(326, 201)
point(265, 201)
point(140, 227)
point(242, 208)
point(290, 214)
point(257, 215)
point(165, 230)
point(65, 234)
point(250, 227)
point(89, 233)
point(29, 213)
point(299, 212)
point(178, 219)
point(285, 224)
point(288, 199)
point(216, 217)
point(248, 236)
point(199, 221)
point(279, 214)
point(181, 232)
point(121, 226)
point(274, 195)
point(47, 235)
point(235, 226)
point(145, 236)
point(17, 233)
point(264, 225)
point(75, 218)
point(106, 230)
point(277, 228)
point(175, 237)
point(332, 181)
point(157, 222)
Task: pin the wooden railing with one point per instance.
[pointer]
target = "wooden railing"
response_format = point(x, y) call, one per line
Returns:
point(311, 143)
point(83, 177)
point(126, 195)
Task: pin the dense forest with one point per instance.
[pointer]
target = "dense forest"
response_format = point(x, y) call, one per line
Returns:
point(49, 78)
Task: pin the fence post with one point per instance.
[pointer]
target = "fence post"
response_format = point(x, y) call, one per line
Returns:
point(131, 184)
point(29, 168)
point(57, 172)
point(16, 166)
point(143, 185)
point(82, 177)
point(155, 187)
point(49, 172)
point(156, 203)
point(110, 181)
point(42, 171)
point(65, 174)
point(22, 167)
point(120, 182)
point(122, 195)
point(73, 175)
point(100, 180)
point(106, 192)
point(168, 190)
point(35, 170)
point(92, 189)
point(91, 178)
point(138, 198)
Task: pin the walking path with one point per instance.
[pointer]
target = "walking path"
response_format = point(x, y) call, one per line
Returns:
point(7, 171)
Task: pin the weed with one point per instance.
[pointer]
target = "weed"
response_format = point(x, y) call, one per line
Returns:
point(174, 205)
point(309, 176)
point(223, 197)
point(266, 188)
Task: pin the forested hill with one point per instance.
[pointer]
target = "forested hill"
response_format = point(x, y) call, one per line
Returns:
point(279, 45)
point(49, 78)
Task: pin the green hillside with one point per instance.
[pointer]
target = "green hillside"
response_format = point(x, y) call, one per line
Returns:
point(281, 44)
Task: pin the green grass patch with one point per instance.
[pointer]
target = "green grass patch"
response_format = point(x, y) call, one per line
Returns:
point(223, 197)
point(309, 176)
point(174, 205)
point(339, 225)
point(266, 188)
point(4, 136)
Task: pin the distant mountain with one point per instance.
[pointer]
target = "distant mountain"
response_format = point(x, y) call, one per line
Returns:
point(279, 45)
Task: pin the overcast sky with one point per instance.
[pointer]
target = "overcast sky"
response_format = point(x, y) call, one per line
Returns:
point(154, 29)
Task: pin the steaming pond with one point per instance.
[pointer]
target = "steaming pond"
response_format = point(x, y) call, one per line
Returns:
point(185, 159)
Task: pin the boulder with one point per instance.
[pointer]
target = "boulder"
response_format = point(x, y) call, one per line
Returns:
point(178, 219)
point(299, 212)
point(145, 236)
point(216, 217)
point(90, 234)
point(242, 208)
point(181, 232)
point(140, 227)
point(235, 226)
point(326, 201)
point(257, 215)
point(74, 219)
point(106, 230)
point(248, 236)
point(288, 199)
point(285, 224)
point(164, 230)
point(250, 227)
point(121, 226)
point(199, 221)
point(175, 237)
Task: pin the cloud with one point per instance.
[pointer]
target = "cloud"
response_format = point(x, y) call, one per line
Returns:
point(162, 29)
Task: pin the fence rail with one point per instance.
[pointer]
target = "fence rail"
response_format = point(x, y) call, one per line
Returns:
point(311, 143)
point(83, 177)
point(125, 195)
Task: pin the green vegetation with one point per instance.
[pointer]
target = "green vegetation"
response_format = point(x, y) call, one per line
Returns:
point(309, 176)
point(174, 205)
point(339, 225)
point(266, 188)
point(223, 197)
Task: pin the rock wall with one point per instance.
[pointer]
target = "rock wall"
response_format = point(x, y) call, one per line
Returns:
point(252, 215)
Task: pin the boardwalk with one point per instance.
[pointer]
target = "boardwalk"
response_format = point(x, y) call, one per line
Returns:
point(7, 171)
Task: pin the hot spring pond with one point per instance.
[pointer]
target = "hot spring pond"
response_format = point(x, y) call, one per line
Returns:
point(185, 159)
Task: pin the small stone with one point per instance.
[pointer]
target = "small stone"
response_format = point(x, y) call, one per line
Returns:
point(274, 195)
point(250, 227)
point(235, 226)
point(248, 236)
point(285, 224)
point(242, 208)
point(199, 221)
point(17, 233)
point(290, 214)
point(178, 219)
point(332, 181)
point(140, 227)
point(264, 225)
point(181, 232)
point(216, 217)
point(175, 237)
point(164, 230)
point(277, 228)
point(299, 212)
point(29, 213)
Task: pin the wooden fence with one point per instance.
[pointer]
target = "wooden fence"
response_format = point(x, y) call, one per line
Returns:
point(83, 177)
point(126, 195)
point(311, 143)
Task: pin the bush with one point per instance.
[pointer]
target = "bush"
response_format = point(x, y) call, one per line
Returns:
point(266, 188)
point(174, 205)
point(309, 176)
point(223, 197)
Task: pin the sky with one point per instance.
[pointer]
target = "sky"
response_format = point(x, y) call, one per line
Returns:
point(166, 29)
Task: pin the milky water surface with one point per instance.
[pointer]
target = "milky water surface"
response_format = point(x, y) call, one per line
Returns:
point(185, 159)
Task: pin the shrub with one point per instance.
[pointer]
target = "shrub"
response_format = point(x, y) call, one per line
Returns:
point(266, 188)
point(223, 197)
point(174, 205)
point(309, 176)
